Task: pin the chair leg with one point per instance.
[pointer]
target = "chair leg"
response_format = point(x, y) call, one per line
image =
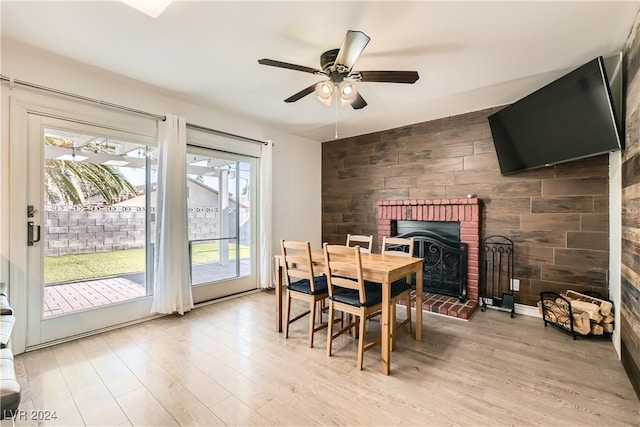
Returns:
point(409, 314)
point(288, 315)
point(312, 324)
point(363, 323)
point(354, 330)
point(322, 305)
point(393, 326)
point(330, 329)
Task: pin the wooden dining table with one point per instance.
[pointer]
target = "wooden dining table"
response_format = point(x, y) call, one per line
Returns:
point(383, 269)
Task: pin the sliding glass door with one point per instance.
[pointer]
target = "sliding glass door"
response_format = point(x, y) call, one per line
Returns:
point(221, 203)
point(83, 185)
point(89, 227)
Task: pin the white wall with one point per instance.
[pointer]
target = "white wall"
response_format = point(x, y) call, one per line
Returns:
point(614, 69)
point(615, 240)
point(296, 161)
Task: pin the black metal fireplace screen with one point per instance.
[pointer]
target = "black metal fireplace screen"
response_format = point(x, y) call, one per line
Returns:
point(445, 263)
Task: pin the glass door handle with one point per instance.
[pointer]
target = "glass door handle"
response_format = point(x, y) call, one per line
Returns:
point(31, 226)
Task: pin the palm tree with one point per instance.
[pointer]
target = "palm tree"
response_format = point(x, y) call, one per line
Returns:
point(71, 182)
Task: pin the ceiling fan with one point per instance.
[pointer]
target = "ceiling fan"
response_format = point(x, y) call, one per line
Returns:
point(337, 66)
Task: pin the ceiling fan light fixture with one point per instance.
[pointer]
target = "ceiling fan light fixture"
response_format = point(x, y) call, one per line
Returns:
point(347, 92)
point(337, 66)
point(324, 92)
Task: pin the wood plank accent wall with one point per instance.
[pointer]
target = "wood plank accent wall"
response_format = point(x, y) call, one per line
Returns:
point(630, 268)
point(557, 216)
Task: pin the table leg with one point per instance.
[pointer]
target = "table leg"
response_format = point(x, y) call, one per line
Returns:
point(419, 283)
point(385, 347)
point(278, 269)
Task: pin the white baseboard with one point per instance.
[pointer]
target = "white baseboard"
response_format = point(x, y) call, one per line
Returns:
point(526, 310)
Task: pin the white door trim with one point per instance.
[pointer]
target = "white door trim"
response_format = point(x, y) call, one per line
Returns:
point(21, 106)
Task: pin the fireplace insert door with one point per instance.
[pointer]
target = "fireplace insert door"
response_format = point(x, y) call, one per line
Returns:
point(445, 263)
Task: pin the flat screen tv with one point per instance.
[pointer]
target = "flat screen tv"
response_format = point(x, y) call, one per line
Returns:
point(571, 118)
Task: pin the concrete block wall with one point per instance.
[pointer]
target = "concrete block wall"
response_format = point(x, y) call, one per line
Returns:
point(73, 230)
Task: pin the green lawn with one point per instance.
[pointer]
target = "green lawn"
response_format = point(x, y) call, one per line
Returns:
point(67, 268)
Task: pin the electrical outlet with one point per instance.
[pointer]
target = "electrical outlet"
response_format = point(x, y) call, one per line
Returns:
point(515, 285)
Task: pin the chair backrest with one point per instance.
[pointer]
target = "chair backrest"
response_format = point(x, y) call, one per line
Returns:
point(343, 268)
point(365, 242)
point(397, 246)
point(296, 262)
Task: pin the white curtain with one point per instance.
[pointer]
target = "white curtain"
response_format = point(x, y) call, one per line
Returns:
point(172, 287)
point(265, 196)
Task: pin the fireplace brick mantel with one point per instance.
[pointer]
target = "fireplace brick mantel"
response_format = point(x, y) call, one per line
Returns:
point(466, 211)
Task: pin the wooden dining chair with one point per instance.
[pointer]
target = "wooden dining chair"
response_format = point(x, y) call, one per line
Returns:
point(365, 242)
point(302, 284)
point(349, 293)
point(400, 289)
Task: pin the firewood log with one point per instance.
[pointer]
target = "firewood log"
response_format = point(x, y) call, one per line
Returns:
point(607, 327)
point(553, 313)
point(563, 321)
point(592, 309)
point(556, 315)
point(607, 319)
point(605, 306)
point(581, 323)
point(597, 329)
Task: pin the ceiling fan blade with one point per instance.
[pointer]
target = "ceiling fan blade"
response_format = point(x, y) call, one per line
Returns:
point(304, 92)
point(359, 102)
point(352, 46)
point(280, 64)
point(389, 76)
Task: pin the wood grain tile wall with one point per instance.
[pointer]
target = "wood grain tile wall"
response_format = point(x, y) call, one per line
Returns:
point(557, 217)
point(630, 268)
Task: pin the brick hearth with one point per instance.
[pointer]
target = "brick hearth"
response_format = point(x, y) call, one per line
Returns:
point(467, 213)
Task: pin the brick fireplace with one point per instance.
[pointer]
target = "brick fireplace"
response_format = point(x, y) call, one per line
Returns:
point(464, 211)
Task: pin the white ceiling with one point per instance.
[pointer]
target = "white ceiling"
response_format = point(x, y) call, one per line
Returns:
point(470, 55)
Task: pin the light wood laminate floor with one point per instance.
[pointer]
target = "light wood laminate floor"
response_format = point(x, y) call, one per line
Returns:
point(223, 364)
